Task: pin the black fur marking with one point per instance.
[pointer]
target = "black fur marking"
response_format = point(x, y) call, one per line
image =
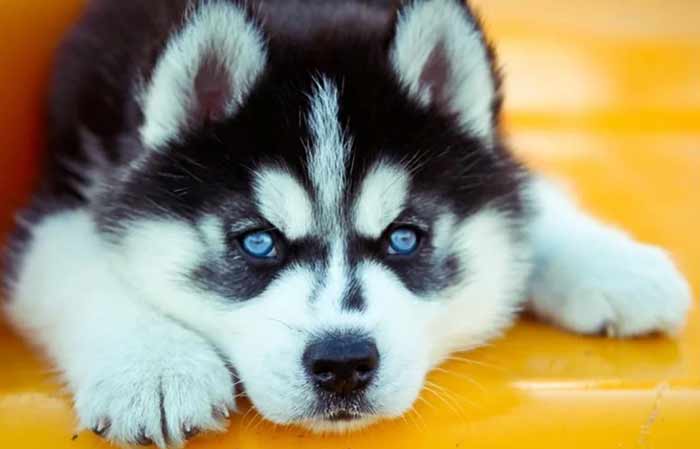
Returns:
point(163, 416)
point(354, 299)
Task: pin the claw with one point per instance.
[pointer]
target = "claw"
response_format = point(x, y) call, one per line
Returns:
point(190, 432)
point(102, 427)
point(143, 440)
point(221, 412)
point(610, 330)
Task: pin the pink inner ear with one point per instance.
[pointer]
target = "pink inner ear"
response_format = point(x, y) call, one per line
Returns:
point(213, 91)
point(435, 76)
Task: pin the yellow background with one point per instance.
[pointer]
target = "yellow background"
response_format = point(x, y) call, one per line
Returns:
point(602, 95)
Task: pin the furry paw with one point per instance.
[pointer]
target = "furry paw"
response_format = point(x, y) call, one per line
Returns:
point(156, 395)
point(611, 285)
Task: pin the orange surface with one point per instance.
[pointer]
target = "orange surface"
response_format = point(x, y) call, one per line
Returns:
point(604, 95)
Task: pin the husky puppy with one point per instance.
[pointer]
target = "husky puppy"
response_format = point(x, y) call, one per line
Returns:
point(308, 200)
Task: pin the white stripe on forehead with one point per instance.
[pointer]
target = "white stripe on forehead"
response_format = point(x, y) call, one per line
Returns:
point(382, 198)
point(328, 153)
point(283, 201)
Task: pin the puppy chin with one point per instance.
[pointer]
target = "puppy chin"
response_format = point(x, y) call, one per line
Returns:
point(338, 426)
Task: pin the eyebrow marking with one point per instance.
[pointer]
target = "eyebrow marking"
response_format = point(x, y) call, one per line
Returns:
point(283, 201)
point(381, 200)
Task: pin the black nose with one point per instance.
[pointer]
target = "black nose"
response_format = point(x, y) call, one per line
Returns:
point(342, 364)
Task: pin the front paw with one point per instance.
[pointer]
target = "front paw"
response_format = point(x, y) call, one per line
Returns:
point(162, 397)
point(614, 286)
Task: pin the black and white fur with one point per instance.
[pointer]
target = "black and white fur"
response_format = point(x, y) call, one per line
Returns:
point(177, 125)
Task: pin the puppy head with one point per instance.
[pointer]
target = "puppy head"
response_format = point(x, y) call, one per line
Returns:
point(334, 212)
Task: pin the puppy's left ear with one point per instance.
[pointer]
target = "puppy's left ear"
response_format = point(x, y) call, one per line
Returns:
point(204, 74)
point(441, 57)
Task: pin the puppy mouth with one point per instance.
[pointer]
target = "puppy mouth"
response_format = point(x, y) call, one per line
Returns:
point(340, 418)
point(341, 421)
point(343, 415)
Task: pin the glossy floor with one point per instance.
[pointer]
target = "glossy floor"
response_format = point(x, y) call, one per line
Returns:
point(604, 96)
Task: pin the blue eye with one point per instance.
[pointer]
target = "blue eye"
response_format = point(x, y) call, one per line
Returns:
point(260, 244)
point(403, 241)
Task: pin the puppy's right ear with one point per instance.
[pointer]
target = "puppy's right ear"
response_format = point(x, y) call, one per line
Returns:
point(442, 59)
point(204, 74)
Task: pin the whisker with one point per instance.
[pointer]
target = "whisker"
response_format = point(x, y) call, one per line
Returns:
point(404, 419)
point(476, 159)
point(461, 376)
point(454, 396)
point(189, 173)
point(449, 404)
point(417, 414)
point(258, 423)
point(289, 326)
point(246, 424)
point(475, 362)
point(427, 402)
point(190, 160)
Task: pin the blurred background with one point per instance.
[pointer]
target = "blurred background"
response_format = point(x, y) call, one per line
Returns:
point(602, 95)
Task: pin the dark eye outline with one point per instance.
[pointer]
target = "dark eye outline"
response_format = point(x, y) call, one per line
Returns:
point(275, 253)
point(389, 247)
